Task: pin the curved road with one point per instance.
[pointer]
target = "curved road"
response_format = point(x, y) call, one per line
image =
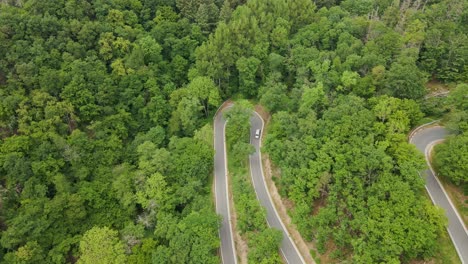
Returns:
point(228, 252)
point(424, 140)
point(288, 248)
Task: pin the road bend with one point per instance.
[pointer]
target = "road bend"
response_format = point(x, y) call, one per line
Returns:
point(424, 139)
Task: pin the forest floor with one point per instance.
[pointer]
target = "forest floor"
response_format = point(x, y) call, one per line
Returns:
point(436, 88)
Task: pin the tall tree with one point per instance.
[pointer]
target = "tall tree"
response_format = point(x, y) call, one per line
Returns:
point(101, 245)
point(405, 80)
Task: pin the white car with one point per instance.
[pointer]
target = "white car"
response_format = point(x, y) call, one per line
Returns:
point(257, 133)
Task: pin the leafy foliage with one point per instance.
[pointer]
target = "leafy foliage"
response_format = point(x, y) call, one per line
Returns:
point(97, 113)
point(104, 105)
point(101, 245)
point(450, 158)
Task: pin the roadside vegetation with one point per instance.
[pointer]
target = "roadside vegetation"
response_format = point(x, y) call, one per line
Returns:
point(262, 241)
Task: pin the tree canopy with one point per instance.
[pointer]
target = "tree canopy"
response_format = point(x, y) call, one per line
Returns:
point(451, 158)
point(106, 111)
point(104, 152)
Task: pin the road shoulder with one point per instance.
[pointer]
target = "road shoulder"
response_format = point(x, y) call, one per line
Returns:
point(303, 247)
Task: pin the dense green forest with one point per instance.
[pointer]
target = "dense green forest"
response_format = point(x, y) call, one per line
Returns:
point(105, 122)
point(103, 150)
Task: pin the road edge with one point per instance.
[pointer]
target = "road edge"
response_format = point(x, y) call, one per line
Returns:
point(427, 153)
point(219, 111)
point(269, 195)
point(417, 129)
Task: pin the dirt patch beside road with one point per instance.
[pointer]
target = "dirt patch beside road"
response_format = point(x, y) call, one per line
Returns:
point(263, 113)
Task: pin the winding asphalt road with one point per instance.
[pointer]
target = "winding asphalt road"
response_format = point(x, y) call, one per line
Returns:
point(228, 252)
point(288, 248)
point(424, 139)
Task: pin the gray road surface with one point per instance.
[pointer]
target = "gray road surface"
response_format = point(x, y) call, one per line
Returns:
point(228, 254)
point(456, 227)
point(288, 248)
